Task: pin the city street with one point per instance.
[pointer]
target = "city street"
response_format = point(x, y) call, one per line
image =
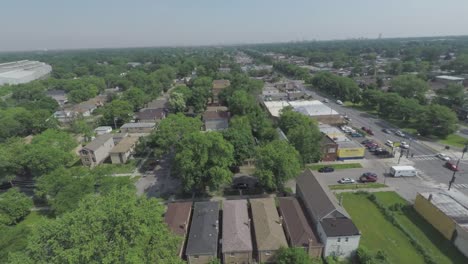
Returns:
point(431, 168)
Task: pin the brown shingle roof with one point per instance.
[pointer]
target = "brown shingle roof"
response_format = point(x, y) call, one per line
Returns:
point(337, 227)
point(151, 114)
point(236, 227)
point(98, 142)
point(221, 84)
point(210, 115)
point(177, 217)
point(300, 232)
point(269, 234)
point(125, 144)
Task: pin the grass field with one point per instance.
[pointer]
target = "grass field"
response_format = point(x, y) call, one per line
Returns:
point(441, 249)
point(14, 238)
point(338, 166)
point(128, 167)
point(356, 186)
point(454, 141)
point(379, 234)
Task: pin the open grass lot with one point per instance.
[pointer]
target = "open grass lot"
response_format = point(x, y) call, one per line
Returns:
point(128, 167)
point(379, 234)
point(454, 141)
point(14, 238)
point(441, 249)
point(356, 186)
point(338, 166)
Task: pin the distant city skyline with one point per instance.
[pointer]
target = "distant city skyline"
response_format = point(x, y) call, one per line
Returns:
point(55, 24)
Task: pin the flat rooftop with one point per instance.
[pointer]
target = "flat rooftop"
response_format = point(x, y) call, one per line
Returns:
point(449, 78)
point(454, 206)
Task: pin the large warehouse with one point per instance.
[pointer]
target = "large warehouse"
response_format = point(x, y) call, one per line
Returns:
point(312, 108)
point(24, 71)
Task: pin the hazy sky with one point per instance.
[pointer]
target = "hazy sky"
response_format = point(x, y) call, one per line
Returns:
point(67, 24)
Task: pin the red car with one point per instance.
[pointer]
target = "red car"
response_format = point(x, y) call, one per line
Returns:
point(368, 177)
point(368, 130)
point(449, 165)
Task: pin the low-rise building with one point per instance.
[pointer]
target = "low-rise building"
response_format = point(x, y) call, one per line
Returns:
point(312, 108)
point(269, 234)
point(137, 128)
point(65, 116)
point(237, 241)
point(118, 137)
point(202, 244)
point(216, 120)
point(95, 152)
point(339, 236)
point(60, 96)
point(329, 149)
point(350, 149)
point(150, 115)
point(218, 86)
point(445, 79)
point(448, 213)
point(121, 153)
point(177, 218)
point(298, 231)
point(102, 130)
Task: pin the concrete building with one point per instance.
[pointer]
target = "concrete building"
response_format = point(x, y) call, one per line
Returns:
point(339, 236)
point(24, 71)
point(298, 231)
point(218, 86)
point(177, 218)
point(312, 108)
point(202, 244)
point(237, 242)
point(216, 120)
point(448, 213)
point(150, 115)
point(329, 149)
point(269, 235)
point(346, 147)
point(137, 127)
point(445, 79)
point(95, 152)
point(121, 153)
point(102, 130)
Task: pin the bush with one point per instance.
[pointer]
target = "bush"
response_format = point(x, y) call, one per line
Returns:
point(14, 206)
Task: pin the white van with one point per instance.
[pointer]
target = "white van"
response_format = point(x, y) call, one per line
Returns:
point(403, 171)
point(389, 143)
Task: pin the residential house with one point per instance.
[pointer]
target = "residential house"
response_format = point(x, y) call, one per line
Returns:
point(150, 115)
point(269, 235)
point(118, 137)
point(97, 150)
point(102, 130)
point(124, 150)
point(160, 103)
point(216, 120)
point(177, 218)
point(298, 230)
point(60, 96)
point(237, 241)
point(218, 86)
point(64, 116)
point(202, 244)
point(339, 236)
point(137, 127)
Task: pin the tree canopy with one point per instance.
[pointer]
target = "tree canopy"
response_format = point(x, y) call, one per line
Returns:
point(14, 206)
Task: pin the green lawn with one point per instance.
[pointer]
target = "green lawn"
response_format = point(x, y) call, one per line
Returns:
point(441, 249)
point(128, 167)
point(454, 141)
point(378, 233)
point(356, 186)
point(14, 238)
point(337, 166)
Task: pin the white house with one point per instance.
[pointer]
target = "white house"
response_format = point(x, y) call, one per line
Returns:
point(337, 232)
point(103, 130)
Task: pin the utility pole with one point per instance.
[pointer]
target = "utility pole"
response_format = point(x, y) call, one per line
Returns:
point(455, 171)
point(401, 155)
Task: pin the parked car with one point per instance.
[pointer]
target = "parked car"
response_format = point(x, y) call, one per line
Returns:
point(371, 145)
point(389, 143)
point(442, 156)
point(399, 133)
point(382, 152)
point(449, 165)
point(404, 145)
point(387, 131)
point(325, 100)
point(326, 169)
point(240, 186)
point(374, 148)
point(339, 102)
point(368, 177)
point(356, 135)
point(369, 174)
point(366, 141)
point(346, 180)
point(368, 130)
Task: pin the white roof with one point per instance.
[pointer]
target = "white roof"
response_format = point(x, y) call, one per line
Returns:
point(403, 168)
point(451, 204)
point(103, 128)
point(135, 125)
point(310, 108)
point(450, 78)
point(274, 107)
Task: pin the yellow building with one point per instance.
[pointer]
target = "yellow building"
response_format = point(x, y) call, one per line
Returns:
point(350, 150)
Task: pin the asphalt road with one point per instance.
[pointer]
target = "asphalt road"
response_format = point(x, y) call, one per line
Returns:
point(431, 168)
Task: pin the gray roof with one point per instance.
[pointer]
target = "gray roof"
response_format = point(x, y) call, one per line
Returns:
point(138, 125)
point(269, 234)
point(300, 232)
point(236, 226)
point(203, 237)
point(318, 198)
point(98, 142)
point(339, 227)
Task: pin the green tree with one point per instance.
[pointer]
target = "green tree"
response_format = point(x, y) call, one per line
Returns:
point(117, 111)
point(410, 86)
point(177, 102)
point(460, 64)
point(452, 96)
point(171, 130)
point(239, 134)
point(293, 255)
point(203, 160)
point(117, 227)
point(276, 162)
point(14, 206)
point(136, 97)
point(436, 120)
point(201, 93)
point(241, 103)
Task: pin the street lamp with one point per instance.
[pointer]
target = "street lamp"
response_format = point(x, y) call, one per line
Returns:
point(456, 166)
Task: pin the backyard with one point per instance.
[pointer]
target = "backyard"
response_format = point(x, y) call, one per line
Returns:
point(378, 233)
